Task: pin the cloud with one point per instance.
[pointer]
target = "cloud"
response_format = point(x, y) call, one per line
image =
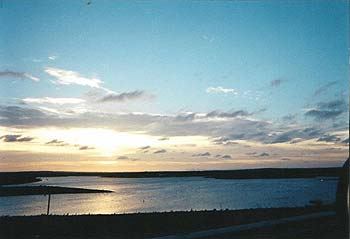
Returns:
point(123, 157)
point(161, 151)
point(276, 83)
point(327, 110)
point(296, 135)
point(15, 138)
point(220, 140)
point(337, 104)
point(163, 138)
point(85, 147)
point(262, 155)
point(186, 116)
point(289, 118)
point(206, 154)
point(212, 115)
point(56, 142)
point(224, 141)
point(18, 75)
point(324, 88)
point(328, 138)
point(17, 116)
point(228, 114)
point(226, 156)
point(285, 137)
point(126, 96)
point(52, 57)
point(220, 89)
point(51, 100)
point(66, 77)
point(220, 132)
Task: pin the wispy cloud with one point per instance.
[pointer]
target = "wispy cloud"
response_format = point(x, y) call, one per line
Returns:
point(52, 57)
point(66, 77)
point(56, 142)
point(15, 138)
point(18, 75)
point(264, 154)
point(296, 135)
point(232, 114)
point(85, 148)
point(327, 110)
point(126, 96)
point(329, 138)
point(220, 89)
point(161, 151)
point(163, 138)
point(205, 154)
point(98, 93)
point(226, 156)
point(51, 100)
point(227, 131)
point(324, 88)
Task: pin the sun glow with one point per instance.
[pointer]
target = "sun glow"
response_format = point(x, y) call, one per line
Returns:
point(100, 141)
point(93, 142)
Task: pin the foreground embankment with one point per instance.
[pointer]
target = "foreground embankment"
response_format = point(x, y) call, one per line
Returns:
point(139, 225)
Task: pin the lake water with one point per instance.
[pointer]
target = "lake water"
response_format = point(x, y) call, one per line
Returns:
point(166, 194)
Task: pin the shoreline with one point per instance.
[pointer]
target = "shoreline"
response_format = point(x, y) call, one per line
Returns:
point(10, 178)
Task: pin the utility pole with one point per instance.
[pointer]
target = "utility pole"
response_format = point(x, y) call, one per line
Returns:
point(48, 205)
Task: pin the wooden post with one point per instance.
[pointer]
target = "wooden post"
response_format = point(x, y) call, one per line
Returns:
point(48, 205)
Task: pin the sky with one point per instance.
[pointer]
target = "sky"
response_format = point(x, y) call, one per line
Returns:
point(173, 85)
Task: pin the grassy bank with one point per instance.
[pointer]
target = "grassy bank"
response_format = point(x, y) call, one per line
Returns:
point(139, 225)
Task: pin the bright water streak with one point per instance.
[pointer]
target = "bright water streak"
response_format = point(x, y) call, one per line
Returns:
point(166, 194)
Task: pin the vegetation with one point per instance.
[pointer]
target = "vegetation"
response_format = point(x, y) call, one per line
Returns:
point(139, 225)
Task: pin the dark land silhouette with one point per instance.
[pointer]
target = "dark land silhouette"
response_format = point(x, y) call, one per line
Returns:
point(141, 225)
point(7, 178)
point(45, 190)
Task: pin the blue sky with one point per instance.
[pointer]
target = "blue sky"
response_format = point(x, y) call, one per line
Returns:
point(268, 58)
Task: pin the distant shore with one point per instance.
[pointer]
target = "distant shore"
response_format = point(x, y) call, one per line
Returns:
point(8, 178)
point(45, 190)
point(138, 225)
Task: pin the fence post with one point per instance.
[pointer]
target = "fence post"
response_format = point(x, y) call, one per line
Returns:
point(48, 205)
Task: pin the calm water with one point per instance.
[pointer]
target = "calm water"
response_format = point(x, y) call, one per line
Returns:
point(166, 194)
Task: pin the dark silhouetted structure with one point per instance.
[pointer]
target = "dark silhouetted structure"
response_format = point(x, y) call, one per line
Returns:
point(343, 196)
